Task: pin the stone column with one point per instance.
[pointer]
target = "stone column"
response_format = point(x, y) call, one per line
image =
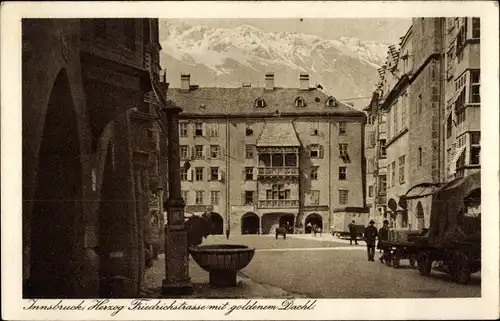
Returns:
point(177, 280)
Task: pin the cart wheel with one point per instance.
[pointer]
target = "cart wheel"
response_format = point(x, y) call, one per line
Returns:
point(424, 263)
point(395, 261)
point(388, 259)
point(461, 270)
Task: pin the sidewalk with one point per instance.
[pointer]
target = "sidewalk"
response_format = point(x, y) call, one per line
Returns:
point(246, 288)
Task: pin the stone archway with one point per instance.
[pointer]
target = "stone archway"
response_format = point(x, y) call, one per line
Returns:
point(217, 223)
point(314, 219)
point(250, 223)
point(420, 216)
point(57, 210)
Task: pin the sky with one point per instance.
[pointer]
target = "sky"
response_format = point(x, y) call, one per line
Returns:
point(376, 29)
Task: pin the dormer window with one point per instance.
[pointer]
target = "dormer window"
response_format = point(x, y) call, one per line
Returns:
point(299, 102)
point(260, 103)
point(331, 102)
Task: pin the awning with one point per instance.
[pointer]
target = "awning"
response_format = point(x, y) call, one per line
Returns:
point(458, 153)
point(278, 134)
point(422, 190)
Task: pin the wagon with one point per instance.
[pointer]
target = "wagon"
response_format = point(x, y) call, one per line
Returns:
point(395, 251)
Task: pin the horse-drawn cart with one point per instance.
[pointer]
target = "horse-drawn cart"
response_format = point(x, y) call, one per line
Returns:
point(452, 243)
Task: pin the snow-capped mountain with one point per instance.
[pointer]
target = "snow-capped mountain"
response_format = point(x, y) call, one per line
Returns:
point(344, 67)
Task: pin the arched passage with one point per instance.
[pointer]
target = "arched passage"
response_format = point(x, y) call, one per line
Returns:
point(314, 219)
point(56, 215)
point(420, 216)
point(287, 220)
point(217, 223)
point(250, 223)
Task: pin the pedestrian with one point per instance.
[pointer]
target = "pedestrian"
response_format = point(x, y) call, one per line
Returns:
point(352, 232)
point(227, 234)
point(309, 226)
point(370, 238)
point(383, 235)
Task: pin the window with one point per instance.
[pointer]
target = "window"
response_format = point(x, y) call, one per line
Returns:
point(199, 198)
point(476, 28)
point(185, 196)
point(343, 197)
point(331, 102)
point(449, 126)
point(315, 128)
point(314, 173)
point(184, 149)
point(183, 129)
point(214, 173)
point(342, 128)
point(370, 191)
point(315, 151)
point(214, 130)
point(461, 116)
point(249, 151)
point(420, 156)
point(314, 197)
point(475, 148)
point(402, 169)
point(382, 184)
point(342, 173)
point(249, 197)
point(249, 173)
point(248, 129)
point(382, 151)
point(198, 152)
point(475, 95)
point(184, 173)
point(404, 104)
point(393, 173)
point(299, 102)
point(214, 197)
point(449, 62)
point(199, 173)
point(214, 151)
point(198, 129)
point(278, 192)
point(261, 103)
point(342, 150)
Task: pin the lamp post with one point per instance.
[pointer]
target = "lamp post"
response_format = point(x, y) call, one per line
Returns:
point(177, 280)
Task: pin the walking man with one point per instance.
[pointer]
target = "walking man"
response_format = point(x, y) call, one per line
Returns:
point(352, 233)
point(370, 238)
point(383, 235)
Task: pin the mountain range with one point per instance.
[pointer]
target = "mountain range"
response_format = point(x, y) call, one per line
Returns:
point(217, 57)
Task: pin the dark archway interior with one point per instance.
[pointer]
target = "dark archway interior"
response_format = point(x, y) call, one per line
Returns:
point(420, 216)
point(314, 219)
point(217, 223)
point(250, 224)
point(57, 210)
point(287, 220)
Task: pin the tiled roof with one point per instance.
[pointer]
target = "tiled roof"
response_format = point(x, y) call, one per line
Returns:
point(242, 101)
point(278, 134)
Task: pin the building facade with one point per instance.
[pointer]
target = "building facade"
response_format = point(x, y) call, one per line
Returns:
point(259, 158)
point(430, 94)
point(86, 148)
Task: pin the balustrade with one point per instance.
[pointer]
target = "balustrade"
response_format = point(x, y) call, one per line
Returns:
point(278, 203)
point(278, 171)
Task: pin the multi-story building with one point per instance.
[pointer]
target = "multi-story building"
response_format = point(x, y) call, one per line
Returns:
point(370, 157)
point(431, 98)
point(86, 148)
point(462, 96)
point(257, 158)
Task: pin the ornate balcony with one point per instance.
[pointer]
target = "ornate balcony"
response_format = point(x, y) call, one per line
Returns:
point(278, 203)
point(268, 172)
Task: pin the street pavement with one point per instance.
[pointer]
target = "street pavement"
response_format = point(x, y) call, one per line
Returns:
point(327, 267)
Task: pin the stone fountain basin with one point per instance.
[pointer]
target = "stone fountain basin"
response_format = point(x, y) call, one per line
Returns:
point(222, 261)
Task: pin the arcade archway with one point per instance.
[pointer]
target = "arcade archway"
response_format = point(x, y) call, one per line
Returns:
point(287, 220)
point(313, 219)
point(57, 208)
point(217, 223)
point(250, 223)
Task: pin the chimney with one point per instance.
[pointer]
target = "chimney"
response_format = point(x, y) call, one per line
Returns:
point(185, 82)
point(269, 81)
point(304, 81)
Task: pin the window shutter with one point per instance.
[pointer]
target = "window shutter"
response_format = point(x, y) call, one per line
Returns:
point(243, 198)
point(255, 173)
point(194, 129)
point(206, 151)
point(203, 129)
point(222, 153)
point(321, 151)
point(244, 173)
point(219, 174)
